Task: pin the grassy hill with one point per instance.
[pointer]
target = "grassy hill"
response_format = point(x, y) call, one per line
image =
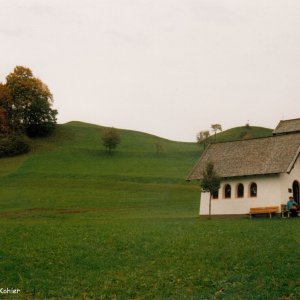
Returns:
point(238, 133)
point(77, 223)
point(73, 162)
point(242, 132)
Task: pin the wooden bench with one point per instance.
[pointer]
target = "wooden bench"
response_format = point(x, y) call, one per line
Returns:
point(264, 210)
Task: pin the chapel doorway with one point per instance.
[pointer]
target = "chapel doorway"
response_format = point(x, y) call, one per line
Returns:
point(296, 191)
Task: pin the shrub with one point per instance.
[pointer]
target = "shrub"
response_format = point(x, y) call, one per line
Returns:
point(13, 145)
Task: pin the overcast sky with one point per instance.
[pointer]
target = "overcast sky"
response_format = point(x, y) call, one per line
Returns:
point(166, 67)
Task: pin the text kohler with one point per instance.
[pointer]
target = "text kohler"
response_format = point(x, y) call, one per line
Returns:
point(9, 291)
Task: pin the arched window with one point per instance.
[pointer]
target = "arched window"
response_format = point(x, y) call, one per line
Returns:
point(240, 190)
point(253, 189)
point(227, 191)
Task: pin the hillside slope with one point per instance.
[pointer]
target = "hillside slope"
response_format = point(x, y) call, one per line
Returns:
point(237, 133)
point(242, 132)
point(71, 169)
point(75, 150)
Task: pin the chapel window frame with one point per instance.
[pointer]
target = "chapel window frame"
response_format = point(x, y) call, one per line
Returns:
point(227, 191)
point(253, 190)
point(240, 191)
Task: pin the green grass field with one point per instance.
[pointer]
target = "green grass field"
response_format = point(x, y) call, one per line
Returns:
point(77, 223)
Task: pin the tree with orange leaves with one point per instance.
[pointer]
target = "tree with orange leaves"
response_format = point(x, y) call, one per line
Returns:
point(31, 100)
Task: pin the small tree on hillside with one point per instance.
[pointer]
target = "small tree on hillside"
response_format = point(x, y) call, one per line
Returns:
point(210, 182)
point(215, 128)
point(110, 138)
point(202, 138)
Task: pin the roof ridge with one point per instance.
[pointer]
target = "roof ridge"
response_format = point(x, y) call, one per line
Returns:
point(289, 120)
point(256, 138)
point(242, 140)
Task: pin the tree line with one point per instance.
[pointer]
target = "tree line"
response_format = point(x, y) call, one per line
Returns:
point(25, 111)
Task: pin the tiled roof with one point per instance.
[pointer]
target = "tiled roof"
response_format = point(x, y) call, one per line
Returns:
point(287, 126)
point(271, 155)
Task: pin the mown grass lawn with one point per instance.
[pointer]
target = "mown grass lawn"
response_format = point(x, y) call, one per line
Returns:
point(110, 255)
point(78, 224)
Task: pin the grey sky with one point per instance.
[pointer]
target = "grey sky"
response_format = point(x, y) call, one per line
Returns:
point(168, 67)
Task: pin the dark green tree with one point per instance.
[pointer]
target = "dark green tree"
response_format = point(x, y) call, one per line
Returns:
point(11, 143)
point(5, 103)
point(110, 138)
point(210, 182)
point(41, 119)
point(3, 122)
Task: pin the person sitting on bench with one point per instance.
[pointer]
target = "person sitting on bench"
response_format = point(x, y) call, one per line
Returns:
point(292, 206)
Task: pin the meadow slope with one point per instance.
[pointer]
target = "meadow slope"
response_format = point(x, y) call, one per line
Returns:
point(77, 223)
